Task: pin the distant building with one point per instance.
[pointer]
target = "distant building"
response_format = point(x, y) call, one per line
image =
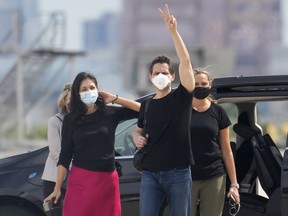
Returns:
point(15, 16)
point(254, 27)
point(278, 60)
point(102, 33)
point(30, 62)
point(28, 8)
point(233, 37)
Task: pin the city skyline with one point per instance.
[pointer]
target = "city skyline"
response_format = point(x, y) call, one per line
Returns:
point(76, 16)
point(91, 10)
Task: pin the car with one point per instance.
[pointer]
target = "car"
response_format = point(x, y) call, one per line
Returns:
point(261, 168)
point(261, 165)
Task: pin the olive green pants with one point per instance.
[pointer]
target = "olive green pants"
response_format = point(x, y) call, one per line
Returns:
point(210, 195)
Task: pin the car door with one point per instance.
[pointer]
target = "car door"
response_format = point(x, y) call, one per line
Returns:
point(129, 177)
point(284, 183)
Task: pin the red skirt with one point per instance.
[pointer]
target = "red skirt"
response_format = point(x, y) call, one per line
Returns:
point(92, 193)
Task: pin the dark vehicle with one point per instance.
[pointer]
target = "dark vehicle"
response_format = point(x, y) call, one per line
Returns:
point(259, 163)
point(258, 160)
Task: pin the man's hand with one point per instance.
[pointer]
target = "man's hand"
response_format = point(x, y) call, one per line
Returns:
point(139, 140)
point(169, 19)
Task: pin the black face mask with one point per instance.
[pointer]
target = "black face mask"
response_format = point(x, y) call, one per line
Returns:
point(201, 92)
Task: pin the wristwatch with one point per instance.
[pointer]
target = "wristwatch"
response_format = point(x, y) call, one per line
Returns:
point(235, 185)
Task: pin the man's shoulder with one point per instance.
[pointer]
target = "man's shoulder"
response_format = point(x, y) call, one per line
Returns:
point(182, 92)
point(181, 88)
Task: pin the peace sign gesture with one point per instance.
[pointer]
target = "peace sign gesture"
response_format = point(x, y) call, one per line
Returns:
point(169, 19)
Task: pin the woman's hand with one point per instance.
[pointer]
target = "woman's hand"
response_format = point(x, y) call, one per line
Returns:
point(107, 97)
point(54, 196)
point(233, 191)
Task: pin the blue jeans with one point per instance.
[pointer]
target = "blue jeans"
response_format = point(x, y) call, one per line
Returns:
point(174, 185)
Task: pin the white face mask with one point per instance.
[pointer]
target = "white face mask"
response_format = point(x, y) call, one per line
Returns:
point(89, 97)
point(161, 81)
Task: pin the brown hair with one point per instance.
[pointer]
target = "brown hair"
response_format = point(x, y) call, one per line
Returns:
point(203, 71)
point(162, 60)
point(198, 71)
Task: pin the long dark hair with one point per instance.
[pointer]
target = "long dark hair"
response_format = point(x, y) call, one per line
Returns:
point(77, 108)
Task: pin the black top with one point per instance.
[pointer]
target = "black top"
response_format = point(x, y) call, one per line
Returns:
point(91, 144)
point(168, 127)
point(205, 128)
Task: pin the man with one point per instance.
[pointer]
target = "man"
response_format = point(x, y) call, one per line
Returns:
point(166, 165)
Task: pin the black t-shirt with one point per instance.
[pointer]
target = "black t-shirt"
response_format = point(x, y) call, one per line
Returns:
point(168, 121)
point(91, 145)
point(205, 128)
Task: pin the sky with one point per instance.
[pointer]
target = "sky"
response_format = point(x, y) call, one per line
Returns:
point(79, 11)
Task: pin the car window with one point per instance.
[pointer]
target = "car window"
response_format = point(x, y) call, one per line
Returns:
point(124, 145)
point(273, 119)
point(270, 117)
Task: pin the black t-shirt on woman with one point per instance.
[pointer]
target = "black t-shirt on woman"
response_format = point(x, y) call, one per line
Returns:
point(91, 144)
point(205, 128)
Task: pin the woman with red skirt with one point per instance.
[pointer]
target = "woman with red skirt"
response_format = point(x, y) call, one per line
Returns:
point(88, 135)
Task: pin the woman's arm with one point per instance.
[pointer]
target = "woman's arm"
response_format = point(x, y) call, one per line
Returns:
point(61, 175)
point(64, 159)
point(229, 162)
point(110, 98)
